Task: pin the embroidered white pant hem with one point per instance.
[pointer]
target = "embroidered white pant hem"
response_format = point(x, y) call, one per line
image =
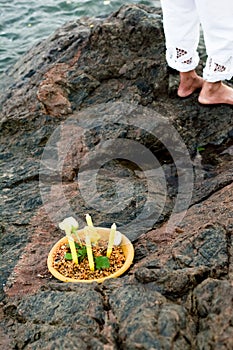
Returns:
point(181, 22)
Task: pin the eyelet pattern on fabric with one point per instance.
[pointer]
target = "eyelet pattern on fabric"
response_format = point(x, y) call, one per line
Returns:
point(216, 69)
point(181, 59)
point(180, 53)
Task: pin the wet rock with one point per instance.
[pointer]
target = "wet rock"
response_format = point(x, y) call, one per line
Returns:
point(212, 303)
point(89, 124)
point(189, 260)
point(66, 323)
point(172, 284)
point(147, 320)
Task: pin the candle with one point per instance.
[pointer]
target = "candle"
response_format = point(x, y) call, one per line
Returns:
point(67, 225)
point(89, 220)
point(89, 252)
point(111, 240)
point(73, 249)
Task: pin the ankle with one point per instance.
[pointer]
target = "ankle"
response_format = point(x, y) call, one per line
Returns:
point(189, 82)
point(211, 87)
point(188, 75)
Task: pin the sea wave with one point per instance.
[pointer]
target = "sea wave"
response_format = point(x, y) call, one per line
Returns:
point(23, 23)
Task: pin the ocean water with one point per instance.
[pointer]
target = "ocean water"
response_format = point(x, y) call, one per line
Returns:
point(25, 22)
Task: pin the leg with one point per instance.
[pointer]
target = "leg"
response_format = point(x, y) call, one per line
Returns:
point(181, 28)
point(216, 20)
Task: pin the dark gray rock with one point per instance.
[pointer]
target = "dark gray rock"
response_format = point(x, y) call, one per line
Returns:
point(148, 321)
point(212, 304)
point(94, 100)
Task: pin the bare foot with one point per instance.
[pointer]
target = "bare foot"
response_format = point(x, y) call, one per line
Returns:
point(215, 93)
point(189, 82)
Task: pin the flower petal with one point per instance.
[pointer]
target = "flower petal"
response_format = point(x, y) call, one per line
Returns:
point(117, 239)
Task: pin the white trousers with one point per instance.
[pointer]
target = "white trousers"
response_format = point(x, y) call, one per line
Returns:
point(181, 22)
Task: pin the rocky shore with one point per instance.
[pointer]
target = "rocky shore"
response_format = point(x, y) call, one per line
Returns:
point(96, 100)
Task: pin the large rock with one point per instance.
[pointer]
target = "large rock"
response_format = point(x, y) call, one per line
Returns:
point(91, 123)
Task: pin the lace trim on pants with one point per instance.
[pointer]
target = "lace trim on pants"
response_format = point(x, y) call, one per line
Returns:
point(217, 69)
point(181, 59)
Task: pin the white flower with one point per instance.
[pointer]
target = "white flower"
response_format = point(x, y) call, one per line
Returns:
point(92, 233)
point(117, 238)
point(67, 224)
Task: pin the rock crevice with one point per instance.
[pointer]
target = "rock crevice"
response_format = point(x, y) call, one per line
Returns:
point(91, 123)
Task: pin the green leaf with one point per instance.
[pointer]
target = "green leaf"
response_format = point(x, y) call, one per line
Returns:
point(200, 148)
point(68, 256)
point(102, 262)
point(82, 252)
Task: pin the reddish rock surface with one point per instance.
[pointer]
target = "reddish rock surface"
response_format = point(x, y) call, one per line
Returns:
point(96, 98)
